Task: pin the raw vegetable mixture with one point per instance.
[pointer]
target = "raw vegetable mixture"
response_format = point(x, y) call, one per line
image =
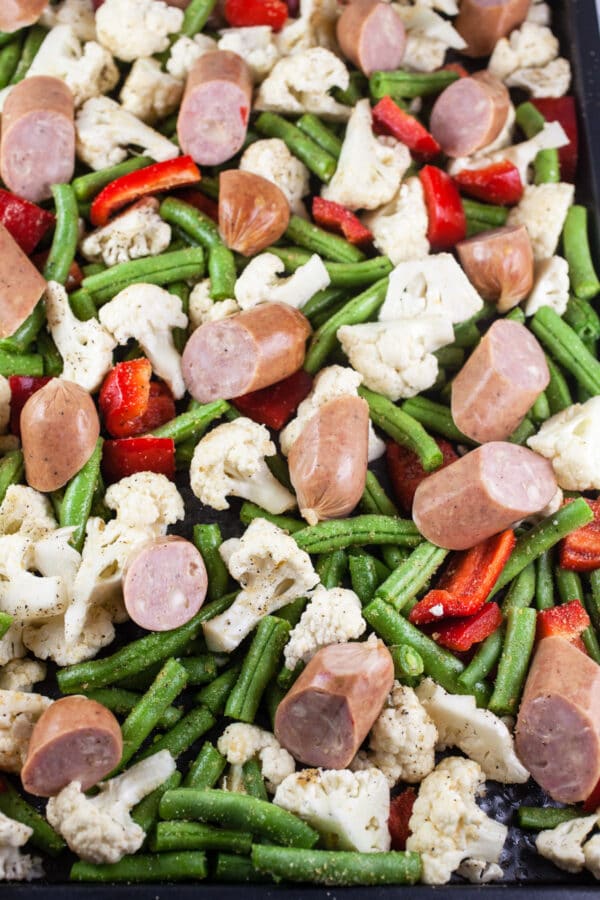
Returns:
point(256, 247)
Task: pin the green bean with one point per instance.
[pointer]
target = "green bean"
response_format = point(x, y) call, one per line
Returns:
point(5, 623)
point(320, 134)
point(337, 867)
point(253, 781)
point(66, 233)
point(403, 428)
point(582, 274)
point(259, 667)
point(11, 471)
point(292, 613)
point(546, 164)
point(194, 836)
point(180, 265)
point(522, 432)
point(568, 349)
point(87, 186)
point(27, 332)
point(557, 392)
point(208, 539)
point(337, 534)
point(317, 160)
point(484, 661)
point(237, 869)
point(476, 226)
point(407, 662)
point(206, 769)
point(591, 644)
point(522, 590)
point(540, 411)
point(322, 304)
point(331, 246)
point(82, 305)
point(192, 423)
point(466, 335)
point(450, 358)
point(593, 600)
point(193, 222)
point(53, 362)
point(406, 85)
point(363, 576)
point(544, 585)
point(251, 511)
point(287, 677)
point(516, 314)
point(185, 733)
point(375, 499)
point(121, 701)
point(346, 275)
point(331, 568)
point(21, 364)
point(273, 696)
point(16, 807)
point(568, 584)
point(9, 58)
point(144, 867)
point(412, 575)
point(214, 695)
point(222, 272)
point(240, 812)
point(145, 813)
point(77, 501)
point(436, 417)
point(356, 90)
point(514, 661)
point(199, 669)
point(7, 36)
point(196, 16)
point(539, 818)
point(279, 468)
point(493, 216)
point(33, 42)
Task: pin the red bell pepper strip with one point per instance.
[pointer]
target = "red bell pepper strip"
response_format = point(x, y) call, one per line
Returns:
point(447, 220)
point(569, 620)
point(336, 217)
point(126, 456)
point(407, 473)
point(580, 550)
point(25, 222)
point(200, 201)
point(130, 403)
point(564, 111)
point(241, 13)
point(389, 118)
point(498, 183)
point(152, 179)
point(401, 808)
point(450, 67)
point(21, 389)
point(461, 634)
point(274, 406)
point(465, 585)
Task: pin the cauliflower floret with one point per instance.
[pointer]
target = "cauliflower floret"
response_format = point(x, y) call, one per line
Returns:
point(105, 131)
point(24, 595)
point(272, 571)
point(447, 825)
point(146, 500)
point(230, 461)
point(149, 93)
point(552, 80)
point(530, 45)
point(428, 37)
point(202, 308)
point(15, 866)
point(400, 227)
point(79, 14)
point(255, 44)
point(149, 314)
point(272, 160)
point(47, 640)
point(315, 27)
point(550, 286)
point(563, 845)
point(18, 714)
point(21, 675)
point(543, 209)
point(136, 233)
point(370, 169)
point(332, 617)
point(480, 734)
point(539, 14)
point(349, 809)
point(423, 53)
point(591, 852)
point(100, 829)
point(570, 441)
point(259, 282)
point(86, 347)
point(240, 742)
point(27, 512)
point(184, 53)
point(4, 404)
point(396, 358)
point(134, 28)
point(301, 83)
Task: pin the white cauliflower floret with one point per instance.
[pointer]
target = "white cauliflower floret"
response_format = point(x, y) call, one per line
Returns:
point(134, 28)
point(539, 14)
point(18, 714)
point(350, 810)
point(563, 845)
point(332, 617)
point(591, 852)
point(86, 347)
point(550, 286)
point(447, 825)
point(272, 160)
point(543, 209)
point(423, 53)
point(301, 83)
point(79, 14)
point(47, 640)
point(400, 227)
point(202, 308)
point(260, 282)
point(370, 169)
point(26, 511)
point(147, 500)
point(570, 441)
point(530, 45)
point(315, 27)
point(21, 675)
point(4, 404)
point(240, 743)
point(255, 44)
point(184, 53)
point(396, 358)
point(136, 233)
point(552, 80)
point(149, 93)
point(15, 866)
point(230, 461)
point(100, 829)
point(106, 131)
point(25, 595)
point(272, 571)
point(428, 37)
point(480, 734)
point(149, 314)
point(330, 383)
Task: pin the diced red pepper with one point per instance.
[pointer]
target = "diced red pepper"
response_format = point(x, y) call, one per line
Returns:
point(336, 217)
point(200, 201)
point(21, 389)
point(242, 13)
point(407, 473)
point(455, 67)
point(126, 456)
point(447, 220)
point(580, 550)
point(130, 403)
point(274, 406)
point(593, 801)
point(26, 222)
point(564, 111)
point(498, 183)
point(389, 118)
point(161, 176)
point(467, 581)
point(460, 634)
point(569, 620)
point(401, 808)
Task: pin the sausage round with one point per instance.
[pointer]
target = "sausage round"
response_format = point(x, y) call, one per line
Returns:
point(15, 14)
point(75, 739)
point(37, 147)
point(484, 492)
point(371, 35)
point(253, 212)
point(244, 353)
point(499, 264)
point(499, 383)
point(481, 23)
point(59, 430)
point(164, 584)
point(21, 285)
point(558, 727)
point(325, 717)
point(469, 114)
point(214, 112)
point(328, 461)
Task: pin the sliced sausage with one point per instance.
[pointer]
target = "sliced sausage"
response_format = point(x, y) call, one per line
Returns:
point(15, 14)
point(499, 383)
point(59, 430)
point(483, 22)
point(328, 462)
point(329, 711)
point(253, 212)
point(469, 114)
point(244, 353)
point(558, 727)
point(37, 148)
point(484, 492)
point(214, 112)
point(371, 35)
point(21, 285)
point(164, 584)
point(75, 739)
point(499, 264)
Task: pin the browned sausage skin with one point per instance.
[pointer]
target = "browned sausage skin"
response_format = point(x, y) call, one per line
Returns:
point(499, 264)
point(371, 36)
point(21, 285)
point(483, 22)
point(15, 14)
point(253, 212)
point(469, 114)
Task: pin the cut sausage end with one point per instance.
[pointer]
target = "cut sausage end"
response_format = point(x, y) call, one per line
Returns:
point(469, 114)
point(371, 36)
